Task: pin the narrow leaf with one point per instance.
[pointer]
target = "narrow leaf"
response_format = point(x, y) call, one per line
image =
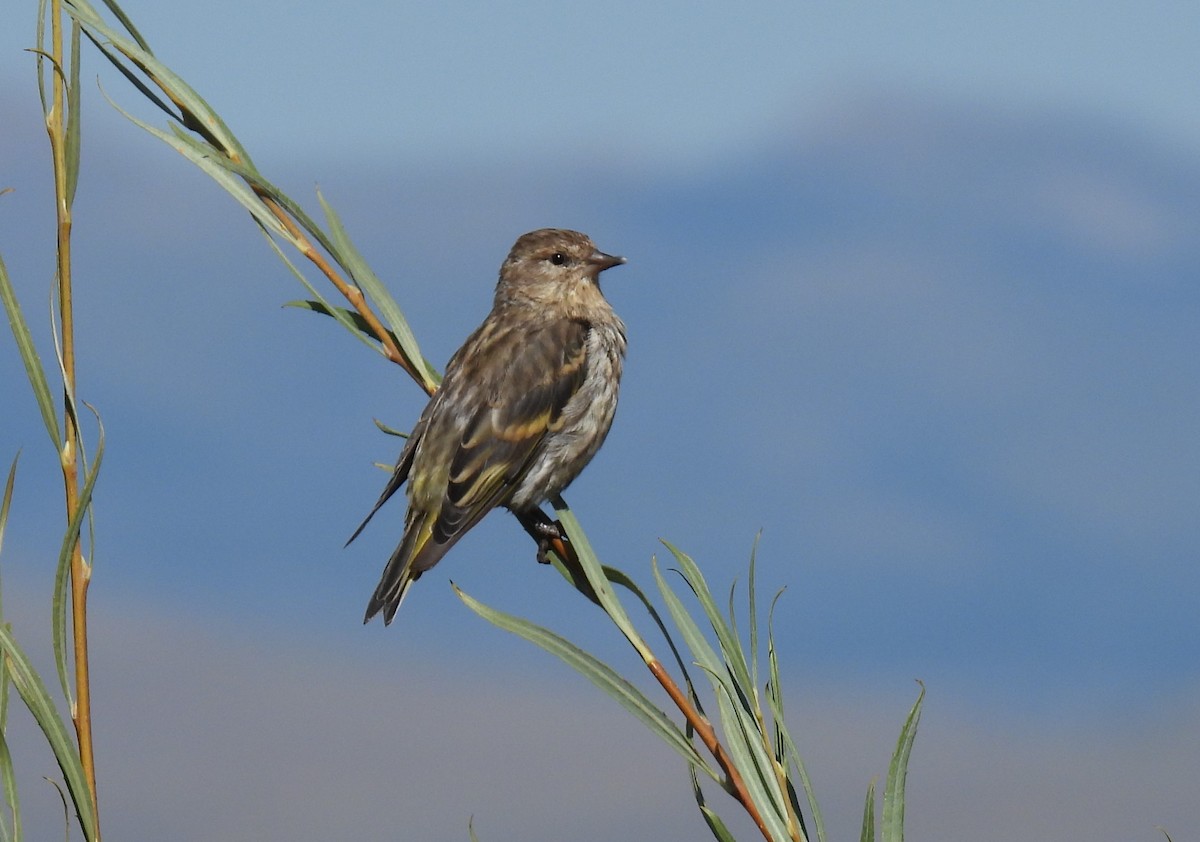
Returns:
point(390, 431)
point(59, 602)
point(745, 744)
point(221, 170)
point(775, 700)
point(719, 831)
point(701, 649)
point(34, 694)
point(738, 700)
point(29, 356)
point(892, 829)
point(41, 53)
point(599, 673)
point(73, 118)
point(750, 587)
point(350, 257)
point(742, 738)
point(353, 322)
point(197, 114)
point(731, 647)
point(117, 59)
point(8, 779)
point(596, 578)
point(120, 15)
point(868, 820)
point(348, 318)
point(7, 501)
point(619, 577)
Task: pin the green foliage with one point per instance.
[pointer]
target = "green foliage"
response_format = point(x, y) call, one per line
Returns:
point(760, 748)
point(29, 357)
point(33, 692)
point(10, 825)
point(893, 795)
point(17, 671)
point(200, 135)
point(57, 88)
point(749, 752)
point(868, 821)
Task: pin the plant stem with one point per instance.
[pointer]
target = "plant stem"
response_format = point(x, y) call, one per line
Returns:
point(696, 720)
point(708, 736)
point(81, 571)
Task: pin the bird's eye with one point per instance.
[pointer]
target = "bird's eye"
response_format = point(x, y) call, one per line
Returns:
point(558, 258)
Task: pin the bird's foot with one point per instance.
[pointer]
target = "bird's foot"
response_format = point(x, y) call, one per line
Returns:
point(549, 532)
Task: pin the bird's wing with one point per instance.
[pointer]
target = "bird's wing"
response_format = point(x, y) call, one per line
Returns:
point(523, 395)
point(399, 475)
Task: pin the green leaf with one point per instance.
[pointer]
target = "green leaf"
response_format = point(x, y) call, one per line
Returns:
point(599, 673)
point(390, 431)
point(7, 501)
point(349, 318)
point(619, 577)
point(196, 113)
point(40, 51)
point(29, 356)
point(59, 602)
point(117, 60)
point(127, 23)
point(221, 170)
point(868, 820)
point(34, 694)
point(893, 793)
point(731, 647)
point(736, 696)
point(8, 778)
point(750, 587)
point(259, 182)
point(791, 753)
point(66, 808)
point(719, 831)
point(219, 167)
point(353, 322)
point(742, 737)
point(350, 257)
point(744, 741)
point(791, 759)
point(701, 649)
point(594, 571)
point(73, 119)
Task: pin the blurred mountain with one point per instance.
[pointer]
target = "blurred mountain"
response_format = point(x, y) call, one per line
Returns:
point(942, 353)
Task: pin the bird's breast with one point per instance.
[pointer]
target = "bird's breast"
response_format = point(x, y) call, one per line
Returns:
point(583, 424)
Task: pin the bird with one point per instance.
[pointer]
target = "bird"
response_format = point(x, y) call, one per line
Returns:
point(524, 405)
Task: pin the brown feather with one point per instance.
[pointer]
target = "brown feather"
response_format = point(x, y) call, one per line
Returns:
point(524, 405)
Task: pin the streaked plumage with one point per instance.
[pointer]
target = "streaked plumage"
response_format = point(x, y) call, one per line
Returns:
point(525, 404)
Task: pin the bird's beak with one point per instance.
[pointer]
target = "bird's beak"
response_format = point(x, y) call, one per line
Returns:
point(604, 261)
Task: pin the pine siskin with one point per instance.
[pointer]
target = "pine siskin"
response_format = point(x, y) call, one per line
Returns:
point(525, 404)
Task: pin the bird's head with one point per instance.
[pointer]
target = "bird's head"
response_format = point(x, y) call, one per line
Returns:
point(553, 265)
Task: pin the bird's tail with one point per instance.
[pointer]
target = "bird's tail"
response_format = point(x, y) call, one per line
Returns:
point(401, 570)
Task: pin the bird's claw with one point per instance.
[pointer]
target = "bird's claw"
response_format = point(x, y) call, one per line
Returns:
point(549, 531)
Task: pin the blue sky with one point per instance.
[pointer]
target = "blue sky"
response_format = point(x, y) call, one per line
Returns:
point(911, 290)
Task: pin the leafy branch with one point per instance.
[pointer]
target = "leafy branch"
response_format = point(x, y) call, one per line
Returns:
point(58, 87)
